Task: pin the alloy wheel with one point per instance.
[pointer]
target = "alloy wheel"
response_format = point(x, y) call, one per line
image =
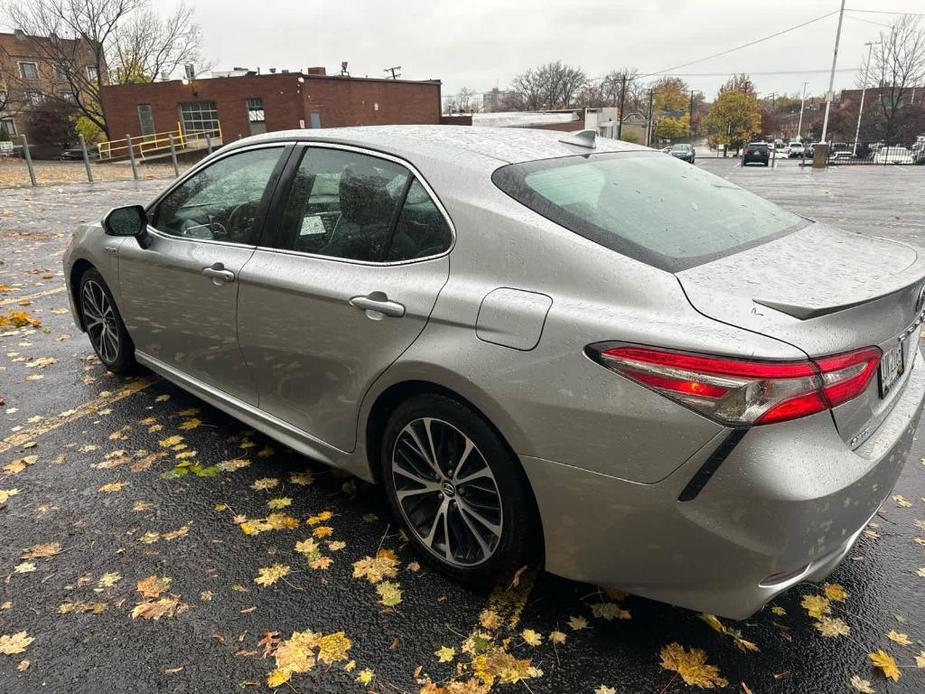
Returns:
point(101, 321)
point(446, 492)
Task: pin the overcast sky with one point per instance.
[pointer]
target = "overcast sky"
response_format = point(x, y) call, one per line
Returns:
point(484, 43)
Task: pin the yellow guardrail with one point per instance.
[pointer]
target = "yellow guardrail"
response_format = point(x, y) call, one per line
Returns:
point(158, 144)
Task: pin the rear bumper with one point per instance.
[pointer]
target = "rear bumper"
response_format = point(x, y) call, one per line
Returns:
point(786, 505)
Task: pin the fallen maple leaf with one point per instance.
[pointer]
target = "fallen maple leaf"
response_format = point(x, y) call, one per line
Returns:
point(531, 637)
point(11, 644)
point(279, 503)
point(609, 611)
point(271, 574)
point(557, 637)
point(692, 666)
point(901, 639)
point(112, 487)
point(333, 647)
point(861, 685)
point(374, 569)
point(835, 591)
point(577, 623)
point(886, 663)
point(365, 677)
point(816, 605)
point(46, 551)
point(152, 586)
point(445, 654)
point(389, 593)
point(920, 660)
point(167, 606)
point(832, 627)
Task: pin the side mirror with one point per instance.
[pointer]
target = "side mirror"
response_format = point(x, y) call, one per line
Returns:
point(128, 221)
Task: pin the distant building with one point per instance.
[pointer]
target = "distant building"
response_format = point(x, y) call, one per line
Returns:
point(32, 85)
point(912, 96)
point(496, 100)
point(247, 103)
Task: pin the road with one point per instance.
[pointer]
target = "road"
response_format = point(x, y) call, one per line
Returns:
point(102, 505)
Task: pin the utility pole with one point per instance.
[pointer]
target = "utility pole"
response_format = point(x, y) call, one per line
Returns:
point(829, 94)
point(651, 119)
point(398, 67)
point(870, 48)
point(690, 118)
point(802, 104)
point(622, 101)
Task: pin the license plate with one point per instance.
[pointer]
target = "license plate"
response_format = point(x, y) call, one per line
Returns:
point(892, 367)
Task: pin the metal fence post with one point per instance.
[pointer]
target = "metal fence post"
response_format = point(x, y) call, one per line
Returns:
point(173, 156)
point(28, 155)
point(131, 156)
point(209, 143)
point(83, 146)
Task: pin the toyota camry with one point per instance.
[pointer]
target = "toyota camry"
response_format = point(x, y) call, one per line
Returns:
point(548, 348)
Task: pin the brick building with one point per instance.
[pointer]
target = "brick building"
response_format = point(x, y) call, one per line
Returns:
point(250, 103)
point(35, 88)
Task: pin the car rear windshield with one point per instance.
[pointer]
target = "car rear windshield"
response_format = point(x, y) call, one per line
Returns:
point(653, 208)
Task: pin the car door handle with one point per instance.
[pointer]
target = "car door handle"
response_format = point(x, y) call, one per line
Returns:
point(378, 303)
point(218, 273)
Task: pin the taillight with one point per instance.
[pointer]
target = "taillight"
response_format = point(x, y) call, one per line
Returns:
point(744, 392)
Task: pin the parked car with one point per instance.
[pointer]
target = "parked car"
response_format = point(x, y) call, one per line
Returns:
point(705, 403)
point(684, 152)
point(756, 152)
point(839, 150)
point(795, 149)
point(809, 148)
point(893, 155)
point(76, 154)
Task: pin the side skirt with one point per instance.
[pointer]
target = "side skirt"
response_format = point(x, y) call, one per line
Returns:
point(275, 428)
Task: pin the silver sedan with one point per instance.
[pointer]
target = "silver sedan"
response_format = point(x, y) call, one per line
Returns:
point(548, 348)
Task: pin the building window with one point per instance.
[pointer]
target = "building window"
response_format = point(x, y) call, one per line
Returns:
point(34, 97)
point(199, 116)
point(29, 71)
point(92, 73)
point(9, 125)
point(255, 112)
point(146, 119)
point(65, 95)
point(60, 71)
point(4, 98)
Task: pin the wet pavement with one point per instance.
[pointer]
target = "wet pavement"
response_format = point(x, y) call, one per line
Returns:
point(122, 484)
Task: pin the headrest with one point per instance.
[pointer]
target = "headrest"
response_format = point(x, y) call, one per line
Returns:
point(364, 198)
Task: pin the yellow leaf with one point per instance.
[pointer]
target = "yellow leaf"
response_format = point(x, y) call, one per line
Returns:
point(321, 563)
point(141, 506)
point(557, 637)
point(11, 644)
point(167, 606)
point(191, 423)
point(301, 478)
point(112, 487)
point(46, 551)
point(295, 654)
point(333, 647)
point(692, 666)
point(885, 662)
point(271, 574)
point(531, 637)
point(836, 592)
point(322, 531)
point(306, 546)
point(832, 627)
point(389, 593)
point(861, 685)
point(714, 623)
point(605, 690)
point(920, 660)
point(150, 537)
point(265, 483)
point(277, 678)
point(320, 518)
point(498, 664)
point(901, 639)
point(445, 654)
point(174, 534)
point(24, 568)
point(489, 619)
point(901, 501)
point(921, 572)
point(779, 611)
point(577, 623)
point(170, 441)
point(335, 545)
point(376, 569)
point(816, 606)
point(152, 586)
point(5, 494)
point(365, 677)
point(279, 502)
point(108, 580)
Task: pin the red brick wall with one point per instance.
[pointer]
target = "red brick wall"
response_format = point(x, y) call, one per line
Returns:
point(286, 102)
point(344, 102)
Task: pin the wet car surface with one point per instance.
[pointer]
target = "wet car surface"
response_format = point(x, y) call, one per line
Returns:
point(136, 478)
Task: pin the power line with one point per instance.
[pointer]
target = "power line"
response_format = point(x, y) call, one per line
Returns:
point(868, 21)
point(779, 72)
point(914, 14)
point(744, 45)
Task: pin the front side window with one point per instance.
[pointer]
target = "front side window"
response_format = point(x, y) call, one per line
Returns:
point(220, 202)
point(28, 71)
point(343, 204)
point(652, 208)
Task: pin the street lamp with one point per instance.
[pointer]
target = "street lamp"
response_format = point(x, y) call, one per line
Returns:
point(802, 104)
point(870, 47)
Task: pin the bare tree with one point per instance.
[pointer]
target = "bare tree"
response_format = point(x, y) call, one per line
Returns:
point(898, 61)
point(553, 85)
point(98, 42)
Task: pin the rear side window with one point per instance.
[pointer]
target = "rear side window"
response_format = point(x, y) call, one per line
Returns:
point(652, 208)
point(355, 206)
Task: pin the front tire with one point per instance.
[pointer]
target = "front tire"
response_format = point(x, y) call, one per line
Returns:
point(458, 491)
point(103, 323)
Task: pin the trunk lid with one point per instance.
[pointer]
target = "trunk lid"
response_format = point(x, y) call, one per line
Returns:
point(823, 290)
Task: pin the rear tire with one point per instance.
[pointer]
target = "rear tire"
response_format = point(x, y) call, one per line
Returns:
point(103, 322)
point(457, 490)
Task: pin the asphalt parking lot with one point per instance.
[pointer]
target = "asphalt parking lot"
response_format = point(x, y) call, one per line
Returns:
point(152, 543)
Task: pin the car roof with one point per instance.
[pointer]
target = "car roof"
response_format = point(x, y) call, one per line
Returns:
point(464, 146)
